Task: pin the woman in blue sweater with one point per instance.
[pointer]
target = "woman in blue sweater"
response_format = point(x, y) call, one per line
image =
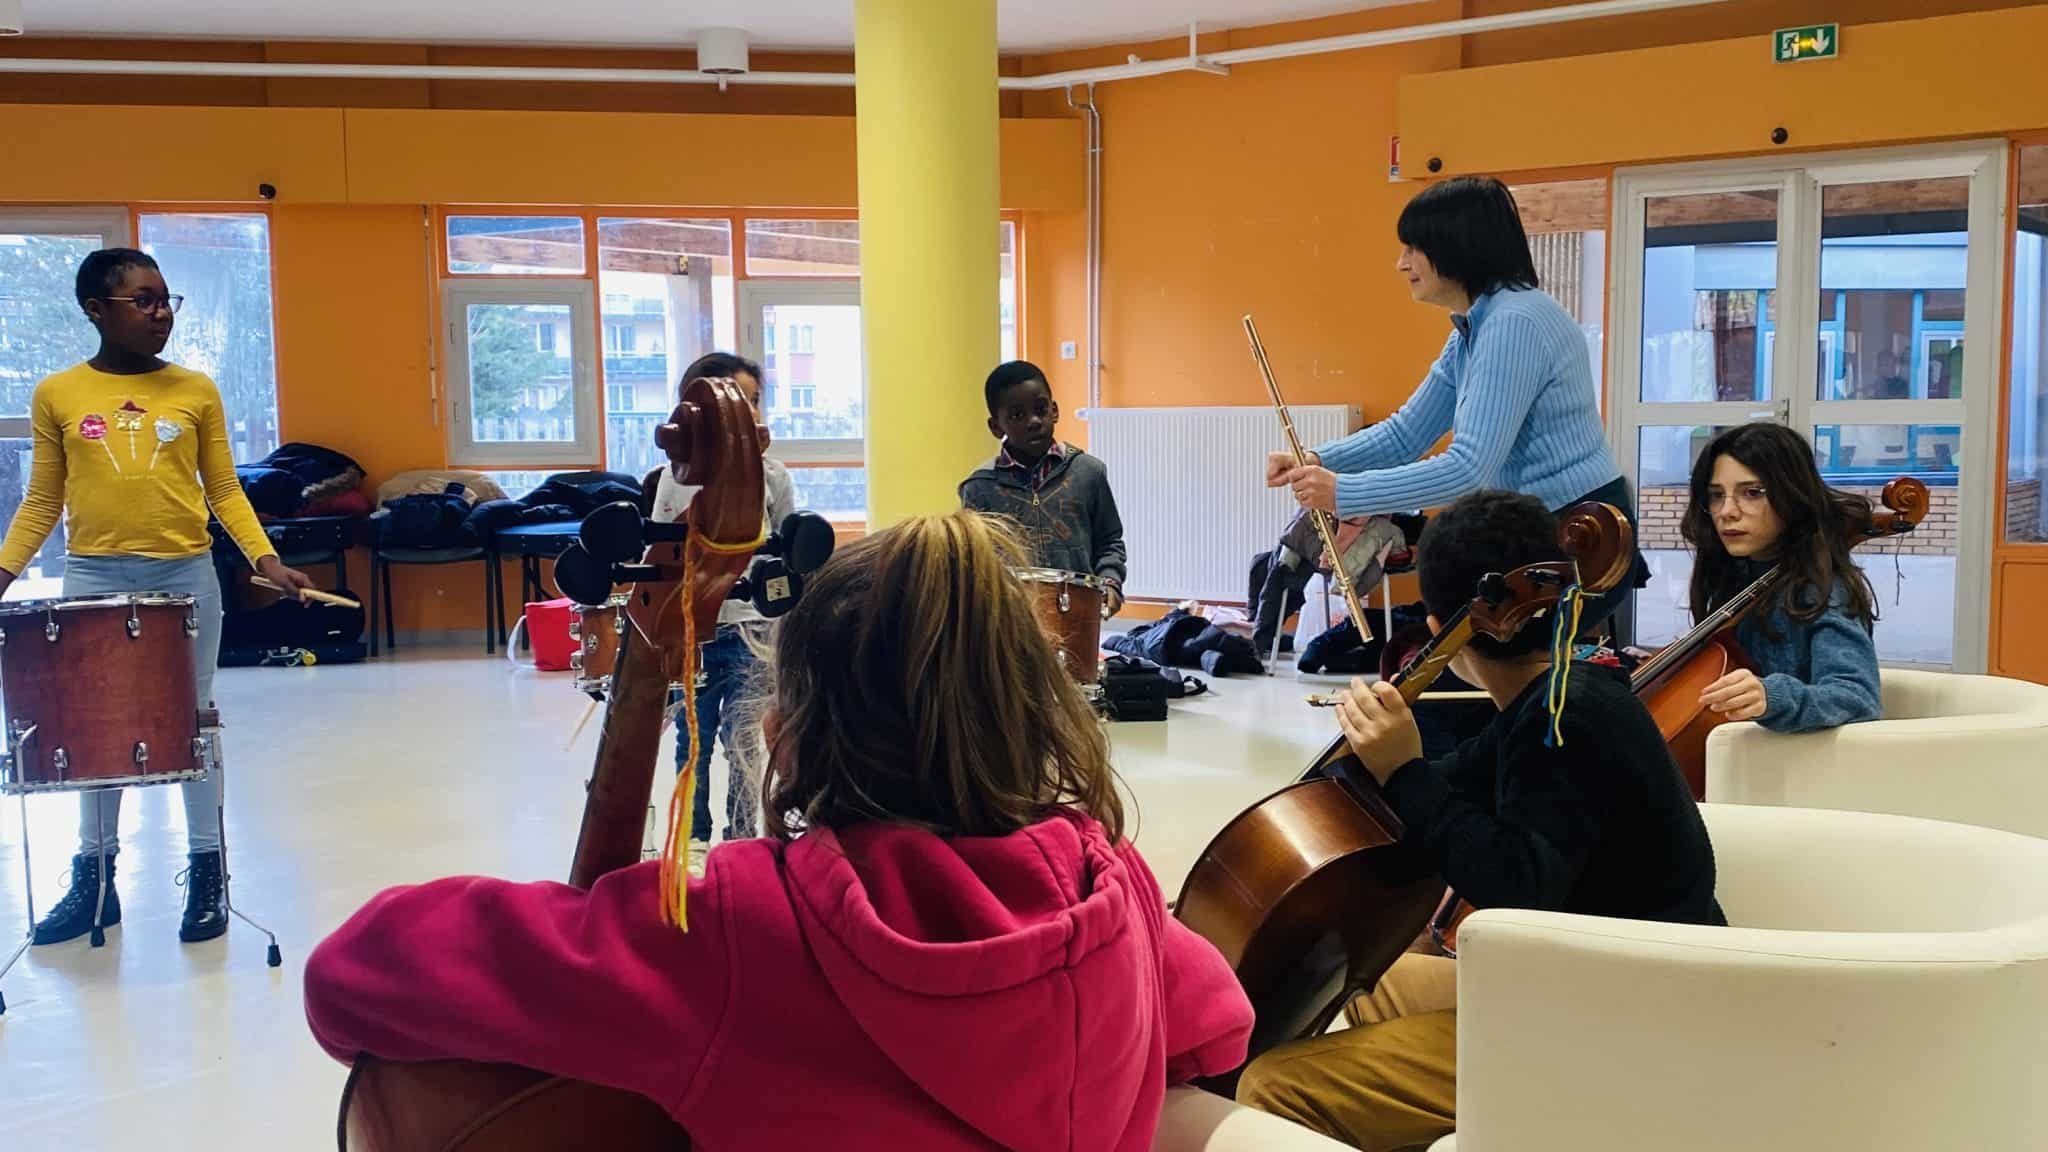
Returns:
point(1513, 386)
point(1757, 500)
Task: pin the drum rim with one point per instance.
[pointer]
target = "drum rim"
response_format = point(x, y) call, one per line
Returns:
point(1059, 576)
point(108, 600)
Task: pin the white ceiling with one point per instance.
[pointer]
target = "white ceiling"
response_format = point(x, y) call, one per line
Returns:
point(1024, 25)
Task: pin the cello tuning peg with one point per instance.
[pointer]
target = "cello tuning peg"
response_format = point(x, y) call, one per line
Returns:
point(583, 577)
point(805, 541)
point(614, 533)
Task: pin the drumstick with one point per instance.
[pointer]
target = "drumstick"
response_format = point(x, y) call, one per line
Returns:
point(313, 594)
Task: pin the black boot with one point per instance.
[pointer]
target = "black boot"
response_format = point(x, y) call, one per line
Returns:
point(72, 917)
point(206, 912)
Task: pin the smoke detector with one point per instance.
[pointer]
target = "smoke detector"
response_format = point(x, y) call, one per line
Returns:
point(10, 18)
point(720, 51)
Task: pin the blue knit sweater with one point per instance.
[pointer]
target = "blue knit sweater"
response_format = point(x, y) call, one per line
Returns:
point(1514, 388)
point(1819, 673)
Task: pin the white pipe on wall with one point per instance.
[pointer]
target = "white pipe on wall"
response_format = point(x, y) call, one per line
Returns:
point(1052, 81)
point(1094, 304)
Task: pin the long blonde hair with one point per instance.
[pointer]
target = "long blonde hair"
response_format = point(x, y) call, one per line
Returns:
point(914, 683)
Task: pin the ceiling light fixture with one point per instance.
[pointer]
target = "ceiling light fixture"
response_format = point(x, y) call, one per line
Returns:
point(722, 51)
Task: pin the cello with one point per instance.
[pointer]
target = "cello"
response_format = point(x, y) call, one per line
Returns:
point(1670, 682)
point(684, 575)
point(1309, 894)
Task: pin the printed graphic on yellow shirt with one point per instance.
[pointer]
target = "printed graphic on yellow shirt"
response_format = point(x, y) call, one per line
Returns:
point(167, 431)
point(93, 426)
point(129, 420)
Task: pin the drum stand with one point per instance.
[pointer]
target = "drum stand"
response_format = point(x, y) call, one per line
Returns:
point(216, 762)
point(272, 957)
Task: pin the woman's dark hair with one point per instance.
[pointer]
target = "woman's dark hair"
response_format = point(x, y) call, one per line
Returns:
point(1812, 550)
point(1483, 532)
point(1471, 231)
point(100, 272)
point(713, 365)
point(914, 683)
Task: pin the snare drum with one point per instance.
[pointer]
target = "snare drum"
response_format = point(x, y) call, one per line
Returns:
point(100, 692)
point(596, 631)
point(1071, 608)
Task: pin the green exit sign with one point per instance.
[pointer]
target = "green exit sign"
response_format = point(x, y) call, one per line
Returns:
point(1820, 42)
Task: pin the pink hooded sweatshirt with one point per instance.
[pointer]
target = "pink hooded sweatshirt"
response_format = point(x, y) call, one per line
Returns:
point(878, 987)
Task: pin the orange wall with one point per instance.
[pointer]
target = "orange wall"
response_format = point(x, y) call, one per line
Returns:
point(1263, 192)
point(1683, 25)
point(1974, 74)
point(57, 153)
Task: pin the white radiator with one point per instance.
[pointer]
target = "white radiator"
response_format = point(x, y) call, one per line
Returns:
point(1190, 484)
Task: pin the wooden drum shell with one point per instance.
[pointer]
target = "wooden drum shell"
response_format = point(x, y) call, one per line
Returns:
point(107, 682)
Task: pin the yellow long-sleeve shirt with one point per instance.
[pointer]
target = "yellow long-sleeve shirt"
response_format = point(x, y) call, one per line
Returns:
point(135, 460)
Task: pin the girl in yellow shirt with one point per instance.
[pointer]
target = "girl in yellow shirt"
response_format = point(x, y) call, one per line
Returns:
point(136, 450)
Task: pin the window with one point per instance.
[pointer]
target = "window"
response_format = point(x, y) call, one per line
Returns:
point(803, 398)
point(1567, 226)
point(802, 339)
point(668, 295)
point(510, 403)
point(220, 262)
point(2026, 450)
point(516, 482)
point(516, 245)
point(834, 493)
point(544, 337)
point(803, 248)
point(41, 332)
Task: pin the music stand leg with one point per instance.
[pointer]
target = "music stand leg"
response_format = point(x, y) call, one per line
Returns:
point(28, 893)
point(99, 911)
point(273, 957)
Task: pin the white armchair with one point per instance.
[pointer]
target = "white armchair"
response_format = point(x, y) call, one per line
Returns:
point(1884, 988)
point(1972, 749)
point(1196, 1121)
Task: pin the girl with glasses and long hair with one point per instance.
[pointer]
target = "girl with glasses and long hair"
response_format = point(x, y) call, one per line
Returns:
point(1758, 500)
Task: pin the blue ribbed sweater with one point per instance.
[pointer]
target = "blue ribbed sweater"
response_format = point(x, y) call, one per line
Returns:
point(1514, 387)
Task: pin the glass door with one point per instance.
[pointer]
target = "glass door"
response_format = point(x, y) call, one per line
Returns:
point(1875, 267)
point(806, 335)
point(42, 331)
point(1696, 277)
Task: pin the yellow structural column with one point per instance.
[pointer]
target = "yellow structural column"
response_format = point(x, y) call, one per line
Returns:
point(925, 95)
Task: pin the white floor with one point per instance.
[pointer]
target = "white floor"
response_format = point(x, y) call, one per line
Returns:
point(344, 780)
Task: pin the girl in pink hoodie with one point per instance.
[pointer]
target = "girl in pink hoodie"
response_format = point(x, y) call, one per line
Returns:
point(944, 942)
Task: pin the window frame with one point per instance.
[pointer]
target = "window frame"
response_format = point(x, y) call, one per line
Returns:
point(848, 452)
point(460, 294)
point(116, 227)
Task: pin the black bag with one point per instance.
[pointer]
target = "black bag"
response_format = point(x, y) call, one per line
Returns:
point(1133, 689)
point(333, 633)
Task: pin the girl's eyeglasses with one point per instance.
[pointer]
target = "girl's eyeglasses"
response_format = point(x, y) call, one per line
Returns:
point(147, 303)
point(1748, 497)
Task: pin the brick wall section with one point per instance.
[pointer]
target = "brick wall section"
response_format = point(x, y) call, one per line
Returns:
point(2023, 512)
point(1660, 511)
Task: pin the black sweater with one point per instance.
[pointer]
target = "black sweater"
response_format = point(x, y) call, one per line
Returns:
point(1601, 825)
point(1071, 523)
